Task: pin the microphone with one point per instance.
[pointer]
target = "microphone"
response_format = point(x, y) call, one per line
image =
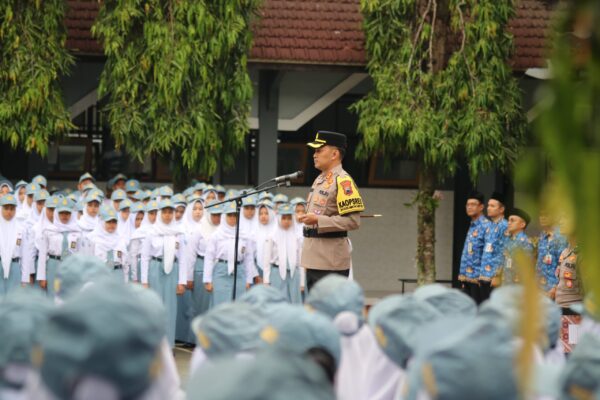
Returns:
point(288, 177)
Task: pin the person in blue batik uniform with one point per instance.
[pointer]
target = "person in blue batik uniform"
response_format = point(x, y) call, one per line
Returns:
point(516, 241)
point(550, 245)
point(493, 250)
point(470, 261)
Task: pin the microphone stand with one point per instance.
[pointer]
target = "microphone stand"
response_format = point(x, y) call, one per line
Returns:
point(238, 205)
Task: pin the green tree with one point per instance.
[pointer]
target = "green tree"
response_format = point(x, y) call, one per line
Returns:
point(443, 92)
point(32, 58)
point(176, 78)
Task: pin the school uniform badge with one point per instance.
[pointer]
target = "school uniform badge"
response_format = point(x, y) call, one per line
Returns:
point(348, 198)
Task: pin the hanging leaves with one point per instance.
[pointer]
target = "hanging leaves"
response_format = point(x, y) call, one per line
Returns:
point(32, 58)
point(176, 78)
point(434, 107)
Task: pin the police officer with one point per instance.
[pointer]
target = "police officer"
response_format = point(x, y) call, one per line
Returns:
point(333, 208)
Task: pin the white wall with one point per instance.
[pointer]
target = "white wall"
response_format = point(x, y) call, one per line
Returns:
point(385, 248)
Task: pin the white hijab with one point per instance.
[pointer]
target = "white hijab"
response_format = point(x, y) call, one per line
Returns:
point(190, 226)
point(287, 246)
point(249, 225)
point(34, 217)
point(87, 222)
point(207, 228)
point(263, 232)
point(227, 232)
point(124, 225)
point(142, 231)
point(42, 225)
point(105, 241)
point(168, 234)
point(8, 242)
point(24, 210)
point(70, 226)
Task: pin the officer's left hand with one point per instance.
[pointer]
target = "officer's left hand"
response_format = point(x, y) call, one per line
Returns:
point(309, 219)
point(180, 290)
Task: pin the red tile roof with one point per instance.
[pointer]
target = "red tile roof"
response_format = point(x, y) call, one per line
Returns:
point(326, 32)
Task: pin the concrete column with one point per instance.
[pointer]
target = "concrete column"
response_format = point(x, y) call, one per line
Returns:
point(268, 116)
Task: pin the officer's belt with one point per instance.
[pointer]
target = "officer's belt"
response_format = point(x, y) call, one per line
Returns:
point(314, 233)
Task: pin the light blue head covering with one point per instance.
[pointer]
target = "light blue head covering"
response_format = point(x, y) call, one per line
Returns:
point(194, 198)
point(265, 195)
point(41, 195)
point(396, 321)
point(215, 209)
point(472, 361)
point(446, 300)
point(296, 330)
point(580, 378)
point(155, 193)
point(297, 200)
point(280, 198)
point(138, 207)
point(229, 329)
point(340, 299)
point(200, 186)
point(249, 201)
point(20, 184)
point(53, 201)
point(267, 203)
point(79, 206)
point(118, 194)
point(65, 205)
point(125, 204)
point(152, 206)
point(94, 195)
point(165, 191)
point(107, 213)
point(86, 188)
point(40, 180)
point(269, 376)
point(77, 270)
point(179, 200)
point(166, 203)
point(22, 312)
point(7, 183)
point(132, 185)
point(220, 189)
point(73, 197)
point(85, 176)
point(188, 192)
point(285, 209)
point(141, 195)
point(262, 295)
point(229, 208)
point(104, 333)
point(31, 188)
point(8, 199)
point(231, 193)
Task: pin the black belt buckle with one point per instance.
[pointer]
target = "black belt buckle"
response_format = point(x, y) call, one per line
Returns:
point(119, 266)
point(53, 257)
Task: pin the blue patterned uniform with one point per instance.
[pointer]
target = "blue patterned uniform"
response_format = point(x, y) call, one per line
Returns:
point(550, 246)
point(493, 250)
point(470, 262)
point(520, 241)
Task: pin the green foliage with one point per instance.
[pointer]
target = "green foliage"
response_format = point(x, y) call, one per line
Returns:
point(435, 108)
point(32, 57)
point(176, 78)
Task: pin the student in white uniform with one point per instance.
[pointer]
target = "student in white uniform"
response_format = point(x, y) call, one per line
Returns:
point(11, 246)
point(199, 232)
point(266, 223)
point(20, 192)
point(89, 220)
point(282, 256)
point(29, 249)
point(219, 260)
point(299, 205)
point(249, 219)
point(138, 236)
point(162, 251)
point(58, 241)
point(108, 245)
point(180, 205)
point(117, 197)
point(124, 226)
point(25, 209)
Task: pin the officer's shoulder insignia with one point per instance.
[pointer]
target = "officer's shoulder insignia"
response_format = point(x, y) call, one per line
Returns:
point(348, 198)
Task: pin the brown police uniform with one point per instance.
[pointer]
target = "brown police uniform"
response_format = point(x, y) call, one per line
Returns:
point(568, 290)
point(336, 201)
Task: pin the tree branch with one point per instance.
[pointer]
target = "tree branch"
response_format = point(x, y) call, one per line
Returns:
point(417, 35)
point(430, 64)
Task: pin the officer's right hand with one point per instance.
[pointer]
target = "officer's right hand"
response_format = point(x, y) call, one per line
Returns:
point(208, 286)
point(43, 284)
